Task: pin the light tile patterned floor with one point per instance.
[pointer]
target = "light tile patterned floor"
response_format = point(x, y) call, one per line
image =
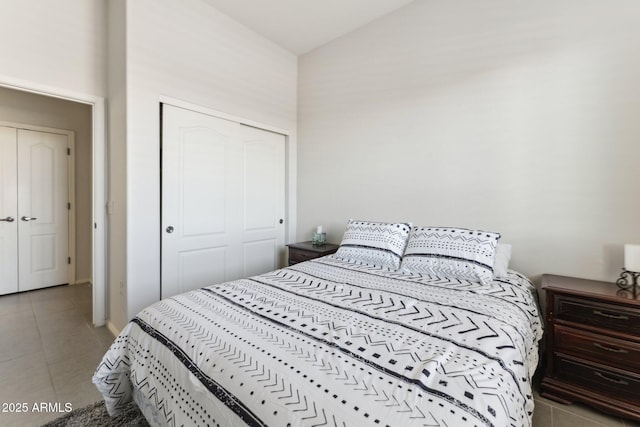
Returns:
point(552, 414)
point(49, 350)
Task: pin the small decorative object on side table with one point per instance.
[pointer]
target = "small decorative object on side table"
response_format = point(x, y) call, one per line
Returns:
point(319, 237)
point(593, 345)
point(628, 279)
point(304, 251)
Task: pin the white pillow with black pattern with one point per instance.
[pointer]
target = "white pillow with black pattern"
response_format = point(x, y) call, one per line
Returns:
point(375, 243)
point(456, 253)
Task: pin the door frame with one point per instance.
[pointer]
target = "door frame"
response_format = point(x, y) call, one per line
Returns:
point(71, 188)
point(98, 140)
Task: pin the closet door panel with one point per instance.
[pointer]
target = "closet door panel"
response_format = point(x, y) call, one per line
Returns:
point(8, 211)
point(42, 209)
point(263, 199)
point(200, 157)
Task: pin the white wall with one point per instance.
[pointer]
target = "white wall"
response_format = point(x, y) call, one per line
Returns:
point(60, 44)
point(189, 51)
point(117, 131)
point(518, 117)
point(31, 109)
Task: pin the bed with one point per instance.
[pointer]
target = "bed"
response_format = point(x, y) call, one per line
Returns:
point(333, 341)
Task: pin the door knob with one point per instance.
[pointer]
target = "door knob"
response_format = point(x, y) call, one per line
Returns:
point(169, 229)
point(7, 219)
point(28, 218)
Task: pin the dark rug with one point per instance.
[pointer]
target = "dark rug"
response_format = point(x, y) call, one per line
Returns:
point(96, 415)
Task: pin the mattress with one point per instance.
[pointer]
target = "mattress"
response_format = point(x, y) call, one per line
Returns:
point(331, 342)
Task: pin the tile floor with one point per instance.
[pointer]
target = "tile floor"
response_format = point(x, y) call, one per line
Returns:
point(552, 414)
point(49, 350)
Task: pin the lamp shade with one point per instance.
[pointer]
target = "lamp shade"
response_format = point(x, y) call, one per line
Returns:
point(632, 258)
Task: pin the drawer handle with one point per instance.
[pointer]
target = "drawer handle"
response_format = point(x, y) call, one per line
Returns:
point(613, 350)
point(612, 380)
point(611, 316)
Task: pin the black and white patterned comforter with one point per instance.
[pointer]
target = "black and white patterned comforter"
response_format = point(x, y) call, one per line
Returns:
point(327, 342)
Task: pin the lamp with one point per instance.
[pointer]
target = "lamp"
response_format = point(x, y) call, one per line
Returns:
point(631, 271)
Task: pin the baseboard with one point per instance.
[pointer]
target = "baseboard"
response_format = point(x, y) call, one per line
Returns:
point(80, 281)
point(112, 329)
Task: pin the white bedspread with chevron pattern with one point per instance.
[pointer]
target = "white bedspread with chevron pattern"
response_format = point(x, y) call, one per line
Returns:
point(327, 342)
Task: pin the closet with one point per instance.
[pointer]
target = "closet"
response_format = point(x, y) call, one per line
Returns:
point(34, 208)
point(223, 187)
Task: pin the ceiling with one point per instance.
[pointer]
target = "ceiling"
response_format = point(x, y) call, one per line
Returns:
point(302, 25)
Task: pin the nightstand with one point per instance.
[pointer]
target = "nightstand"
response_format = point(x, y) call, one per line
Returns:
point(304, 251)
point(593, 345)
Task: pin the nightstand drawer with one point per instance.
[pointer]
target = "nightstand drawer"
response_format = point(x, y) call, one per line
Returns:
point(601, 315)
point(299, 255)
point(621, 384)
point(619, 353)
point(304, 251)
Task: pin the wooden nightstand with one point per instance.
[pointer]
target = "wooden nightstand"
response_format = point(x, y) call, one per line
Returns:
point(304, 251)
point(593, 345)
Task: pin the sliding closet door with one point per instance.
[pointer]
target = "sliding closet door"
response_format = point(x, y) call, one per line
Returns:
point(220, 211)
point(200, 222)
point(8, 211)
point(263, 200)
point(43, 195)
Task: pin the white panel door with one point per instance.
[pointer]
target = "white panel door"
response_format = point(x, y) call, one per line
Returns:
point(263, 203)
point(8, 211)
point(42, 209)
point(218, 220)
point(200, 223)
